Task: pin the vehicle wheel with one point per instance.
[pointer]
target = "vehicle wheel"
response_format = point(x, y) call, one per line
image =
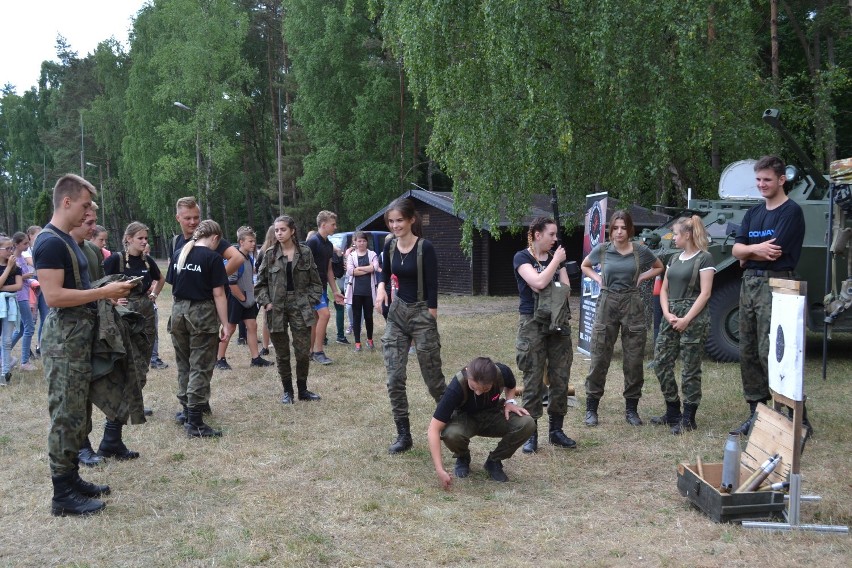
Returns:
point(723, 343)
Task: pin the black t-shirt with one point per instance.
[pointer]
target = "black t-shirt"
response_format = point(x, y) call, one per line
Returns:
point(322, 249)
point(16, 271)
point(527, 305)
point(124, 263)
point(785, 224)
point(51, 252)
point(453, 399)
point(404, 266)
point(202, 272)
point(180, 240)
point(363, 284)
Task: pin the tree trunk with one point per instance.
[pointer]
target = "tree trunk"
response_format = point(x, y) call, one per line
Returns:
point(773, 32)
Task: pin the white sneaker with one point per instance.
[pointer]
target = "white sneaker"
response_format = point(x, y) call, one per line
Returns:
point(28, 367)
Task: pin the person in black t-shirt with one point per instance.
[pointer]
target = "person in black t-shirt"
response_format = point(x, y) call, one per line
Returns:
point(768, 245)
point(133, 261)
point(412, 314)
point(322, 250)
point(471, 406)
point(198, 281)
point(67, 342)
point(538, 348)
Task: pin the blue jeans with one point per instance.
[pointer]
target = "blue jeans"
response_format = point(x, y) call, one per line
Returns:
point(7, 327)
point(26, 330)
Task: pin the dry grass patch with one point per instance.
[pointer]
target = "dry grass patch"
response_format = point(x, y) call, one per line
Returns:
point(312, 484)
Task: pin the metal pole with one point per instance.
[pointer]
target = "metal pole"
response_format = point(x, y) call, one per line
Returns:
point(280, 168)
point(829, 284)
point(82, 154)
point(103, 196)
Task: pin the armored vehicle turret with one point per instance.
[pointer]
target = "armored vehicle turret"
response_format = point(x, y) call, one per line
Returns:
point(722, 218)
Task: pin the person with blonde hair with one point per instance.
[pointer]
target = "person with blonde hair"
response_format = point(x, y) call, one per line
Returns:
point(322, 251)
point(686, 321)
point(198, 281)
point(242, 307)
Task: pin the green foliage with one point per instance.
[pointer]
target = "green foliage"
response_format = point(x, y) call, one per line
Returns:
point(360, 126)
point(585, 95)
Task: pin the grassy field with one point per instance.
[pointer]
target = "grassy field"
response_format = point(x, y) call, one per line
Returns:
point(312, 484)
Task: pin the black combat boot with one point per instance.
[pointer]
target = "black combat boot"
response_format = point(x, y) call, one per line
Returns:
point(531, 445)
point(180, 417)
point(304, 393)
point(87, 455)
point(87, 489)
point(68, 501)
point(403, 437)
point(671, 417)
point(555, 434)
point(687, 421)
point(195, 426)
point(287, 397)
point(462, 468)
point(592, 411)
point(631, 411)
point(495, 470)
point(744, 428)
point(112, 446)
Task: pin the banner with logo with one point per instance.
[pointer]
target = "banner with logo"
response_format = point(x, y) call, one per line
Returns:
point(594, 233)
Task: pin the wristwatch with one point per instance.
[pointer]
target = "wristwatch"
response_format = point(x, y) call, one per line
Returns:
point(512, 401)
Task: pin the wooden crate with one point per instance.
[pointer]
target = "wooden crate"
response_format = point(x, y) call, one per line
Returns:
point(771, 433)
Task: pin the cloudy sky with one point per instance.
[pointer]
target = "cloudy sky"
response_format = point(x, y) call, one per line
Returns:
point(28, 30)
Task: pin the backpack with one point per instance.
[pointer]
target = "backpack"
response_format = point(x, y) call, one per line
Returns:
point(337, 267)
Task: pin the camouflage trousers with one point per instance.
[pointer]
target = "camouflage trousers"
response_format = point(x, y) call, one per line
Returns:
point(144, 306)
point(490, 423)
point(194, 327)
point(624, 312)
point(689, 344)
point(407, 322)
point(755, 314)
point(301, 331)
point(538, 350)
point(66, 344)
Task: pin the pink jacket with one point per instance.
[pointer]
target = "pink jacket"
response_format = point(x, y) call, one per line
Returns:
point(351, 264)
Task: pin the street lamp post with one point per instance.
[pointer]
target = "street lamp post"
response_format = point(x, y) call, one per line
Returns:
point(182, 106)
point(101, 188)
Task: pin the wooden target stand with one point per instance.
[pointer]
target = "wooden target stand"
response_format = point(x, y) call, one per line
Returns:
point(786, 383)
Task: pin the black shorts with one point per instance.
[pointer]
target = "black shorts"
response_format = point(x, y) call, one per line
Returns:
point(238, 312)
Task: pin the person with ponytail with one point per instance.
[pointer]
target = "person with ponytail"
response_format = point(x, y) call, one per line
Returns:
point(133, 262)
point(541, 347)
point(686, 321)
point(412, 315)
point(287, 289)
point(198, 280)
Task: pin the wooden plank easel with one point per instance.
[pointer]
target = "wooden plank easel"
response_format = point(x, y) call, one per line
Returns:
point(795, 399)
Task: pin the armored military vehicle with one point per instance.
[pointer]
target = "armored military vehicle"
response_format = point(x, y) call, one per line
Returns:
point(722, 218)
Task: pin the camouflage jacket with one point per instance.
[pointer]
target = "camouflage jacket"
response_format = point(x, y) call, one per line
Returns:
point(271, 287)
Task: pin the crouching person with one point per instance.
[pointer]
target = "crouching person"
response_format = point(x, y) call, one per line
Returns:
point(471, 406)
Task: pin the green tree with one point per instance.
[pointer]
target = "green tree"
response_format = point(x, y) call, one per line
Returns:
point(357, 114)
point(587, 95)
point(188, 51)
